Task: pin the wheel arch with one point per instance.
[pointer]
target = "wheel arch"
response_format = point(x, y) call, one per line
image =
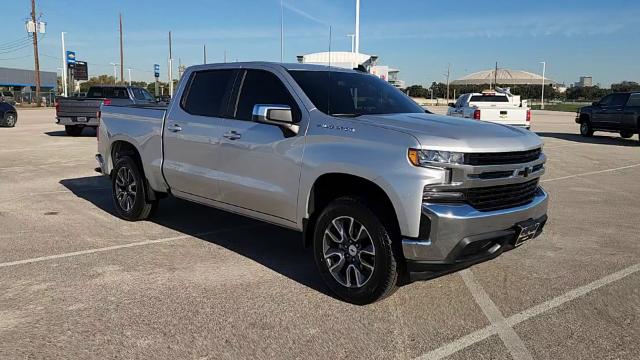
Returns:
point(122, 147)
point(330, 186)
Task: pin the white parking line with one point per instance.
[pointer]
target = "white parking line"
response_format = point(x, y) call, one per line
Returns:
point(511, 340)
point(591, 173)
point(123, 246)
point(527, 314)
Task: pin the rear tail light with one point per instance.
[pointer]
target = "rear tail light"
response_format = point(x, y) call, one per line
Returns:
point(528, 115)
point(476, 114)
point(57, 105)
point(106, 102)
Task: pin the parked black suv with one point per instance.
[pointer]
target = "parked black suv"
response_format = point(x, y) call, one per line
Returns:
point(8, 115)
point(617, 112)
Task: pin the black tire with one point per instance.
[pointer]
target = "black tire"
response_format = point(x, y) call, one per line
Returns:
point(73, 130)
point(9, 120)
point(129, 191)
point(379, 271)
point(626, 134)
point(586, 129)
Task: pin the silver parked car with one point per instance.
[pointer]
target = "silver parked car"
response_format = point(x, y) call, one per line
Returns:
point(8, 97)
point(380, 189)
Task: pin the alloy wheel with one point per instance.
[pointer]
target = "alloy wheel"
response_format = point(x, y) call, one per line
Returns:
point(349, 252)
point(126, 189)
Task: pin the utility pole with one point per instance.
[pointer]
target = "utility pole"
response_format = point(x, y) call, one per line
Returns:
point(35, 50)
point(170, 67)
point(544, 68)
point(448, 74)
point(65, 92)
point(121, 52)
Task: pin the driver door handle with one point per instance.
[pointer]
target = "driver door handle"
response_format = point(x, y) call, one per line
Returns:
point(232, 135)
point(174, 128)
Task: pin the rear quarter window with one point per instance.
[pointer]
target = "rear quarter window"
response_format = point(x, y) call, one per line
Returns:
point(634, 100)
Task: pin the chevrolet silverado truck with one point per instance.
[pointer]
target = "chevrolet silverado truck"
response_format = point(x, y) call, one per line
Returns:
point(383, 192)
point(618, 112)
point(77, 113)
point(492, 106)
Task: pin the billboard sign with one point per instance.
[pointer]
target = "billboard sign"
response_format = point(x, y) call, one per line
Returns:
point(81, 71)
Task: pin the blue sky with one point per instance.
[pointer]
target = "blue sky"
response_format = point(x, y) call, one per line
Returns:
point(597, 38)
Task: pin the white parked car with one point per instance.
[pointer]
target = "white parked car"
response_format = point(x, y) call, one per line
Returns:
point(501, 108)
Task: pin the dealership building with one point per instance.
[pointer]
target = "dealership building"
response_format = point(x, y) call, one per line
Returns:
point(19, 80)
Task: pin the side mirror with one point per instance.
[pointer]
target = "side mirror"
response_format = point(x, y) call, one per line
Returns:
point(452, 105)
point(595, 103)
point(272, 114)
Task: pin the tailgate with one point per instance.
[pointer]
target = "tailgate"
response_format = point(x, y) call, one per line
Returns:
point(506, 115)
point(79, 107)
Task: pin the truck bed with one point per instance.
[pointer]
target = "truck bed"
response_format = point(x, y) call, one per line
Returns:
point(78, 107)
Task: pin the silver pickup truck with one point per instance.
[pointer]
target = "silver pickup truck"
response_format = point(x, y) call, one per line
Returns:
point(382, 191)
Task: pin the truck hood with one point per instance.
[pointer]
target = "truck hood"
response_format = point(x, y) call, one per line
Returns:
point(438, 132)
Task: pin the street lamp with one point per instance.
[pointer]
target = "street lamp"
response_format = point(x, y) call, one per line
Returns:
point(544, 68)
point(115, 72)
point(129, 70)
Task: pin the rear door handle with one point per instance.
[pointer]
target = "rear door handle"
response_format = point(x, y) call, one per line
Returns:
point(232, 135)
point(174, 128)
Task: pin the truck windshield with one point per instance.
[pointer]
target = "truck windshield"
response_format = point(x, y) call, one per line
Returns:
point(352, 94)
point(489, 98)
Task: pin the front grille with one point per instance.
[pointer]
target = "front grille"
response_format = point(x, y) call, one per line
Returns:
point(503, 158)
point(503, 196)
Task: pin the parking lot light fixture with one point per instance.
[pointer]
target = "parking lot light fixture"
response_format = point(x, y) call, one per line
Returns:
point(544, 68)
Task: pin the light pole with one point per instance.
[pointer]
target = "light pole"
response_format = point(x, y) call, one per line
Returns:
point(64, 68)
point(353, 37)
point(357, 32)
point(115, 72)
point(129, 70)
point(544, 69)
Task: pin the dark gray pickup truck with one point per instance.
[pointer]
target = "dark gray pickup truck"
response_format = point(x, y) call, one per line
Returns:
point(76, 113)
point(618, 112)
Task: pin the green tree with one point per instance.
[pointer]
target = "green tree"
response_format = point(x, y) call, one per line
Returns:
point(97, 80)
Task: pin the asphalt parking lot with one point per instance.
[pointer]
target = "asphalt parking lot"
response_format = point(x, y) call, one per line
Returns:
point(77, 282)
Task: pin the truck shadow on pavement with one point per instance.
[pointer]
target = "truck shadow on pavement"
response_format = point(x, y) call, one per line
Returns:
point(85, 133)
point(278, 249)
point(596, 139)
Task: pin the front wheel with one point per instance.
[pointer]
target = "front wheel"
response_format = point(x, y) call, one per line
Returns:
point(353, 252)
point(129, 191)
point(585, 128)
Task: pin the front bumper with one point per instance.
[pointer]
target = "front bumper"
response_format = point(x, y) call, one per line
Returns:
point(458, 235)
point(73, 121)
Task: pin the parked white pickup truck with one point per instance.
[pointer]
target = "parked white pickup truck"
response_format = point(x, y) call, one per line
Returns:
point(493, 107)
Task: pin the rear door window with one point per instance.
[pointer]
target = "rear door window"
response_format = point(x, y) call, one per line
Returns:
point(634, 100)
point(95, 92)
point(208, 93)
point(263, 87)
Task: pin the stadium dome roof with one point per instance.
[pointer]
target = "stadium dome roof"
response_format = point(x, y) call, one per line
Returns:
point(504, 76)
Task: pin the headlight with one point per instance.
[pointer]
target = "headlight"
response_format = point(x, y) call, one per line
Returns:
point(428, 157)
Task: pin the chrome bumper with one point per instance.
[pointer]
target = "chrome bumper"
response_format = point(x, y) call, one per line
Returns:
point(453, 226)
point(91, 121)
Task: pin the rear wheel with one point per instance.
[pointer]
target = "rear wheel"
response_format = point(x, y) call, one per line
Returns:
point(8, 120)
point(585, 128)
point(353, 252)
point(73, 130)
point(129, 191)
point(626, 134)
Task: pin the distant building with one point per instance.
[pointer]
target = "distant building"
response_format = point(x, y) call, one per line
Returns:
point(25, 80)
point(352, 60)
point(585, 81)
